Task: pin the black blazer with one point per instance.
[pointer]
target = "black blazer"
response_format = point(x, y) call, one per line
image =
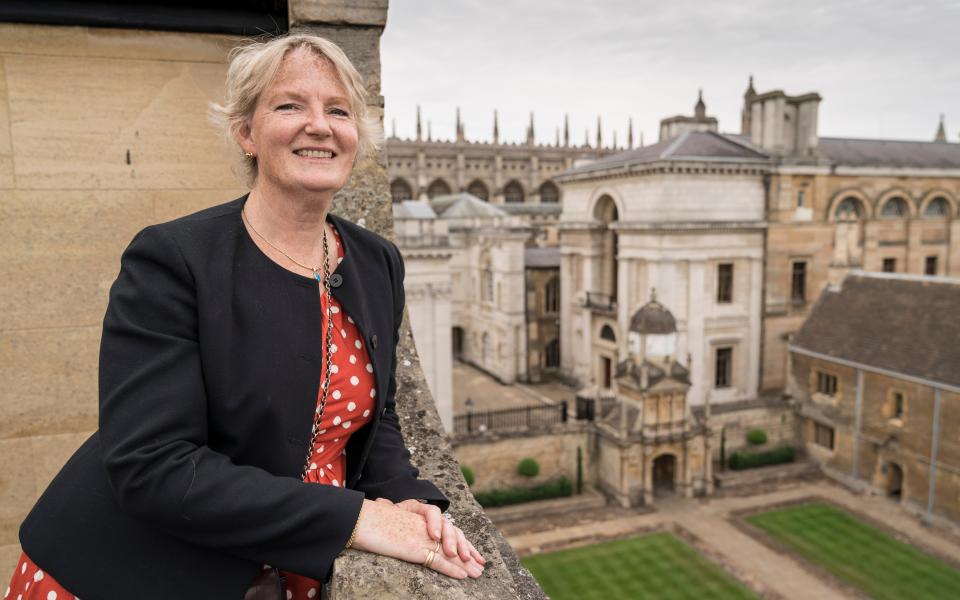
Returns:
point(209, 373)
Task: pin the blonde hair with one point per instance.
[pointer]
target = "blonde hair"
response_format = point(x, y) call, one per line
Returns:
point(253, 67)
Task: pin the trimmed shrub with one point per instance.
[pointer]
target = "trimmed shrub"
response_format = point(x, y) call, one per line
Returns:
point(554, 489)
point(745, 460)
point(528, 467)
point(467, 474)
point(757, 437)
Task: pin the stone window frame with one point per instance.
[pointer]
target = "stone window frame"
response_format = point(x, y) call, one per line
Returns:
point(890, 261)
point(889, 409)
point(551, 296)
point(730, 371)
point(398, 185)
point(825, 397)
point(725, 282)
point(928, 263)
point(815, 436)
point(514, 189)
point(798, 294)
point(901, 212)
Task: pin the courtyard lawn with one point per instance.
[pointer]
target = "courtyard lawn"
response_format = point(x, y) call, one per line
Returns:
point(656, 565)
point(860, 554)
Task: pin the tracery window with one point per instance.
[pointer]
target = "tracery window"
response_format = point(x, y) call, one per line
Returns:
point(479, 189)
point(938, 207)
point(400, 190)
point(439, 187)
point(549, 194)
point(848, 210)
point(513, 192)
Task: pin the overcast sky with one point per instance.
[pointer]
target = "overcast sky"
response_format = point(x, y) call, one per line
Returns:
point(885, 68)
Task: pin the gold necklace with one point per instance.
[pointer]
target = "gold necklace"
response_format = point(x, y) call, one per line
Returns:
point(328, 345)
point(315, 270)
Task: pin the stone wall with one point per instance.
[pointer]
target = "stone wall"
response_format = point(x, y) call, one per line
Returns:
point(493, 457)
point(102, 132)
point(775, 417)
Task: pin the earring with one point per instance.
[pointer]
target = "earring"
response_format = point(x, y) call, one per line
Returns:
point(248, 154)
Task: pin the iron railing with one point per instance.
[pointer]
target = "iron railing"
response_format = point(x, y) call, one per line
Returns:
point(538, 416)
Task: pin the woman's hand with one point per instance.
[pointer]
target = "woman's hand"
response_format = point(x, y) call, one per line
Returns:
point(454, 542)
point(390, 530)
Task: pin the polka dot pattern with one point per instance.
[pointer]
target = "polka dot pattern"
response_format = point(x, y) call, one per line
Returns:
point(349, 406)
point(32, 583)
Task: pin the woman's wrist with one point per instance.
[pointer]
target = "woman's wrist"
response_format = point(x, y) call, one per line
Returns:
point(353, 534)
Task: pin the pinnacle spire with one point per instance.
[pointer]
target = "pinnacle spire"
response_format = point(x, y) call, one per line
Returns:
point(459, 126)
point(393, 128)
point(566, 130)
point(496, 127)
point(599, 134)
point(700, 110)
point(419, 128)
point(557, 141)
point(941, 131)
point(429, 132)
point(630, 133)
point(530, 136)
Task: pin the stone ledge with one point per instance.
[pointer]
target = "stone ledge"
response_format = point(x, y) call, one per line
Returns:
point(363, 575)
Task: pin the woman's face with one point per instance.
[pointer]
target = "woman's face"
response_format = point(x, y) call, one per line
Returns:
point(302, 132)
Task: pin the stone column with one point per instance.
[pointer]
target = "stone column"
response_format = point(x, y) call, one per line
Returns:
point(356, 25)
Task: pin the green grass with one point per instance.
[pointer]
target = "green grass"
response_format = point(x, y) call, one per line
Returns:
point(860, 554)
point(657, 565)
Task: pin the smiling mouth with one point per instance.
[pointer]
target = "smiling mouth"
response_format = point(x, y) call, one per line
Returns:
point(315, 153)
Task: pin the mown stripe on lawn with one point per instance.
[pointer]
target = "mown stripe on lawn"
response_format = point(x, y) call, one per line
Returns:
point(656, 565)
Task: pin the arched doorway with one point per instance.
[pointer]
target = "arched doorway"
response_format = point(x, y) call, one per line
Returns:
point(894, 486)
point(664, 474)
point(458, 342)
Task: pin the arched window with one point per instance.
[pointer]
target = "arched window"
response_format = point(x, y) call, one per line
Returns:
point(606, 212)
point(439, 187)
point(549, 194)
point(848, 210)
point(551, 354)
point(607, 334)
point(937, 208)
point(551, 294)
point(479, 189)
point(400, 190)
point(894, 208)
point(513, 192)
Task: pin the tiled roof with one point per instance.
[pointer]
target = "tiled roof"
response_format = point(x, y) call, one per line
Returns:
point(464, 205)
point(692, 145)
point(901, 323)
point(891, 153)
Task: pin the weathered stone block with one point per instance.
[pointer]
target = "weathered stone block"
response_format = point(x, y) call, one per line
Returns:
point(49, 381)
point(340, 12)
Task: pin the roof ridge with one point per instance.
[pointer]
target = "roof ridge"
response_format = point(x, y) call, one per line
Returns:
point(680, 139)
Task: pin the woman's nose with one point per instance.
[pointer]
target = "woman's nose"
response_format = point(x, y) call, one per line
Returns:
point(317, 123)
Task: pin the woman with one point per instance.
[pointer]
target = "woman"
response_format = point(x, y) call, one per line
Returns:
point(238, 342)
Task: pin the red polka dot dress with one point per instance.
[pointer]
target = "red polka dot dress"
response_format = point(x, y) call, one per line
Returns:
point(349, 407)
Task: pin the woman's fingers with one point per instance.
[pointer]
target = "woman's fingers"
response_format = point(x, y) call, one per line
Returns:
point(447, 567)
point(449, 539)
point(463, 546)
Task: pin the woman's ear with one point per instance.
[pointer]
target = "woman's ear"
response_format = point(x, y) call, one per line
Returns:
point(244, 138)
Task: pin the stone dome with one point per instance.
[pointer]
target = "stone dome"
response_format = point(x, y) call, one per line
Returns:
point(653, 318)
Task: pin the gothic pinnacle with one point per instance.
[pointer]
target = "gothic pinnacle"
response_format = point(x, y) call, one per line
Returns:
point(419, 128)
point(599, 134)
point(630, 133)
point(566, 130)
point(496, 128)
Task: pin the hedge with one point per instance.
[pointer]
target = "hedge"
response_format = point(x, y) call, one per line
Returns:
point(528, 467)
point(554, 489)
point(757, 436)
point(743, 460)
point(467, 474)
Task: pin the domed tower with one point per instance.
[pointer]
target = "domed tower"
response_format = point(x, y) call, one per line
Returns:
point(657, 444)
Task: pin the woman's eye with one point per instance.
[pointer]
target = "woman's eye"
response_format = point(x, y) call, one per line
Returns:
point(287, 106)
point(340, 112)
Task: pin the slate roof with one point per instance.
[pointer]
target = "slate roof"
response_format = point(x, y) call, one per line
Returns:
point(891, 153)
point(691, 145)
point(464, 205)
point(902, 323)
point(541, 257)
point(413, 209)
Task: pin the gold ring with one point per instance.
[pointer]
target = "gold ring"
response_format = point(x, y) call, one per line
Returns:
point(437, 549)
point(430, 556)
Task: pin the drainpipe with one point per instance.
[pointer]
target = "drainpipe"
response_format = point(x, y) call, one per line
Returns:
point(856, 426)
point(933, 452)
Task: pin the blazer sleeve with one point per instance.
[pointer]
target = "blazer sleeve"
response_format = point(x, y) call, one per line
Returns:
point(387, 472)
point(154, 431)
